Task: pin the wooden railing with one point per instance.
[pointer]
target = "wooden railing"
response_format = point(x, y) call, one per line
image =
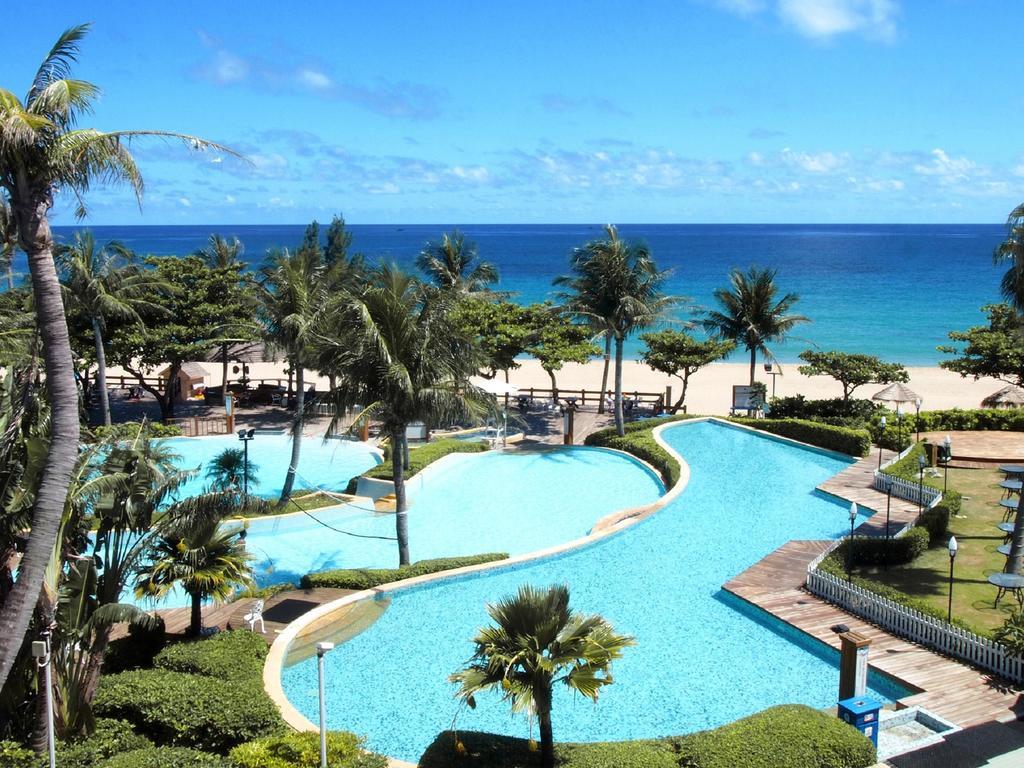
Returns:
point(124, 382)
point(917, 627)
point(201, 426)
point(588, 395)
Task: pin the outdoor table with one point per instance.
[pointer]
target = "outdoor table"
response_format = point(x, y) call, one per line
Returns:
point(1008, 582)
point(1012, 470)
point(1009, 507)
point(1011, 487)
point(1006, 528)
point(1004, 549)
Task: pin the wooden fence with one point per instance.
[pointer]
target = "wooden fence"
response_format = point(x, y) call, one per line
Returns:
point(915, 626)
point(583, 396)
point(201, 426)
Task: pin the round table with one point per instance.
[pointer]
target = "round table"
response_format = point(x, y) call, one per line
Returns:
point(1004, 549)
point(1006, 528)
point(1011, 487)
point(1012, 470)
point(1008, 582)
point(1009, 507)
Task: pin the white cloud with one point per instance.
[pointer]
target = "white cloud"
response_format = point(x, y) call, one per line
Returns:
point(741, 7)
point(387, 188)
point(476, 173)
point(824, 19)
point(814, 162)
point(946, 167)
point(314, 79)
point(229, 199)
point(185, 202)
point(228, 68)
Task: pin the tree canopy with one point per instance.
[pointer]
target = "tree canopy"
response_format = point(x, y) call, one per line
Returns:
point(554, 339)
point(995, 350)
point(851, 370)
point(677, 353)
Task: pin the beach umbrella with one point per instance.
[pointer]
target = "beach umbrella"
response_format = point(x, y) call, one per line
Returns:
point(896, 393)
point(494, 387)
point(1007, 397)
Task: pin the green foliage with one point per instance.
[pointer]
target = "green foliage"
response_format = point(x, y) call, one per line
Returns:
point(367, 578)
point(302, 750)
point(420, 458)
point(870, 550)
point(138, 649)
point(961, 419)
point(909, 467)
point(110, 738)
point(235, 655)
point(853, 442)
point(1011, 634)
point(677, 353)
point(188, 710)
point(936, 522)
point(165, 757)
point(556, 340)
point(639, 441)
point(851, 371)
point(128, 430)
point(13, 755)
point(995, 350)
point(836, 411)
point(501, 330)
point(488, 750)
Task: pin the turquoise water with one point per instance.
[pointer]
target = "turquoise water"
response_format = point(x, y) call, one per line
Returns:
point(328, 464)
point(702, 658)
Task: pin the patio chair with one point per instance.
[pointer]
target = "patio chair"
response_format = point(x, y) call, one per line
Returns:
point(255, 614)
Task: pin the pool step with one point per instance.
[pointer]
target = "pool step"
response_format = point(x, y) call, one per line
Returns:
point(337, 628)
point(388, 503)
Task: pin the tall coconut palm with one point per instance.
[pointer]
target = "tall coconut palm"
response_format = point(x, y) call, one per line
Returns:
point(395, 350)
point(453, 264)
point(616, 286)
point(295, 290)
point(221, 253)
point(8, 240)
point(105, 284)
point(42, 151)
point(752, 313)
point(538, 642)
point(1011, 251)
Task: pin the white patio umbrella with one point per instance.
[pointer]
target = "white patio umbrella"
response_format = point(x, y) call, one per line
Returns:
point(896, 393)
point(494, 387)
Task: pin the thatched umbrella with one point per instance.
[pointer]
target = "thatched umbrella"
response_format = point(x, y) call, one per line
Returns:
point(897, 393)
point(1007, 397)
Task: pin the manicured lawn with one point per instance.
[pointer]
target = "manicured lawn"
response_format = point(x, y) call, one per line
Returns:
point(977, 536)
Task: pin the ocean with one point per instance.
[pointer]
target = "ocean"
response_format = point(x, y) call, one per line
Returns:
point(890, 290)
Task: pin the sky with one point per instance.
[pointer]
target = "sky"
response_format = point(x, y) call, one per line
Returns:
point(703, 111)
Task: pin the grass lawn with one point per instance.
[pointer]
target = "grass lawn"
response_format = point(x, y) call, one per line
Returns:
point(300, 501)
point(976, 559)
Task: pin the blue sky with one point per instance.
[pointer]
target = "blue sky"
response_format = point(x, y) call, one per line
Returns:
point(582, 111)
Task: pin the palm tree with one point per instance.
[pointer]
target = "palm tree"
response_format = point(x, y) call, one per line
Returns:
point(8, 240)
point(294, 292)
point(42, 151)
point(221, 253)
point(751, 314)
point(104, 285)
point(207, 561)
point(538, 642)
point(396, 351)
point(453, 264)
point(227, 470)
point(615, 286)
point(1011, 250)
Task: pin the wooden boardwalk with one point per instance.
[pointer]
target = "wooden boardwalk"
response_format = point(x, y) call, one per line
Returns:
point(955, 691)
point(855, 484)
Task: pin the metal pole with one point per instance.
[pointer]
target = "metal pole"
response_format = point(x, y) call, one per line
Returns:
point(949, 610)
point(920, 488)
point(41, 653)
point(849, 552)
point(321, 651)
point(245, 470)
point(888, 536)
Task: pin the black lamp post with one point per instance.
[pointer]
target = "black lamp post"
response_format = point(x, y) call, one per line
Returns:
point(881, 438)
point(917, 405)
point(245, 435)
point(849, 549)
point(769, 368)
point(947, 444)
point(888, 507)
point(920, 484)
point(952, 557)
point(899, 427)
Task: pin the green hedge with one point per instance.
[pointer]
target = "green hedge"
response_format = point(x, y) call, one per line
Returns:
point(128, 430)
point(871, 550)
point(165, 757)
point(853, 442)
point(420, 458)
point(14, 755)
point(639, 441)
point(302, 750)
point(367, 578)
point(109, 738)
point(789, 736)
point(236, 655)
point(177, 709)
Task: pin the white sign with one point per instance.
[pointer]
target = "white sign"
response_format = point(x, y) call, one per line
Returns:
point(746, 398)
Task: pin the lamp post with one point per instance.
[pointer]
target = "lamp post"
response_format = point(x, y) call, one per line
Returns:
point(504, 427)
point(899, 427)
point(947, 444)
point(321, 651)
point(849, 549)
point(245, 435)
point(888, 507)
point(952, 557)
point(41, 653)
point(769, 368)
point(881, 437)
point(917, 418)
point(920, 484)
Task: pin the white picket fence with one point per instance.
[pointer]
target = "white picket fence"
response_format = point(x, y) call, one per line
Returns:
point(915, 626)
point(907, 490)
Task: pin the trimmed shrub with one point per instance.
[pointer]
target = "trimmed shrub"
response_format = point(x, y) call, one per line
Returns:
point(109, 738)
point(236, 655)
point(127, 430)
point(165, 757)
point(420, 458)
point(871, 550)
point(177, 709)
point(137, 650)
point(853, 442)
point(367, 578)
point(302, 750)
point(13, 755)
point(639, 441)
point(834, 411)
point(936, 522)
point(487, 750)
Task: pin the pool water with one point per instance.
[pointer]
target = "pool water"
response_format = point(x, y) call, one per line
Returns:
point(702, 658)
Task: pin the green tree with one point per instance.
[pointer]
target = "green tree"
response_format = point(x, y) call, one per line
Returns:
point(677, 353)
point(615, 286)
point(851, 370)
point(752, 314)
point(226, 471)
point(555, 340)
point(106, 284)
point(1011, 251)
point(397, 352)
point(339, 241)
point(995, 350)
point(500, 330)
point(221, 253)
point(536, 643)
point(8, 240)
point(453, 264)
point(42, 151)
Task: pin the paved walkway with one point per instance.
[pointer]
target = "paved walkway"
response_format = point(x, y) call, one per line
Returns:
point(855, 484)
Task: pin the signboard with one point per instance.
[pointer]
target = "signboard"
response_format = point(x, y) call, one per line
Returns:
point(746, 397)
point(229, 401)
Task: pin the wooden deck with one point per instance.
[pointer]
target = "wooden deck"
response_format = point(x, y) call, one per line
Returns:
point(855, 484)
point(982, 449)
point(959, 693)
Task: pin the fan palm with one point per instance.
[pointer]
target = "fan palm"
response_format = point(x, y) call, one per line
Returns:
point(1011, 251)
point(105, 284)
point(752, 314)
point(538, 642)
point(42, 151)
point(616, 288)
point(8, 240)
point(453, 264)
point(396, 351)
point(227, 470)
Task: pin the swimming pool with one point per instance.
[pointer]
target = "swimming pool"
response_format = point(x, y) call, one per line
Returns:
point(702, 658)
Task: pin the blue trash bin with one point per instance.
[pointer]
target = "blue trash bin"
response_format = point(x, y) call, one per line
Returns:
point(862, 713)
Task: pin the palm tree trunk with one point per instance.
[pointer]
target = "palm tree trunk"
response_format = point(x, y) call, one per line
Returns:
point(753, 363)
point(398, 478)
point(300, 407)
point(405, 452)
point(101, 371)
point(604, 375)
point(224, 371)
point(195, 626)
point(547, 739)
point(10, 273)
point(58, 364)
point(619, 423)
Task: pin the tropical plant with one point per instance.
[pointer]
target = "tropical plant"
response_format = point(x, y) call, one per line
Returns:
point(616, 287)
point(1011, 634)
point(42, 151)
point(555, 339)
point(396, 351)
point(995, 350)
point(537, 641)
point(8, 240)
point(221, 253)
point(105, 284)
point(751, 313)
point(850, 370)
point(500, 330)
point(453, 264)
point(227, 470)
point(1011, 251)
point(677, 353)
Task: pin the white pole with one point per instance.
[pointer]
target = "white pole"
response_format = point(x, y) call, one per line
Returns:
point(321, 651)
point(41, 651)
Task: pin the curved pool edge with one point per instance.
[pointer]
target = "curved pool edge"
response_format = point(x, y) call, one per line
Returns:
point(605, 527)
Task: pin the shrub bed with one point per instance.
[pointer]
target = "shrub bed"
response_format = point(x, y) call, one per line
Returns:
point(871, 550)
point(165, 757)
point(236, 655)
point(639, 441)
point(109, 738)
point(128, 430)
point(851, 412)
point(302, 750)
point(420, 458)
point(367, 578)
point(853, 442)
